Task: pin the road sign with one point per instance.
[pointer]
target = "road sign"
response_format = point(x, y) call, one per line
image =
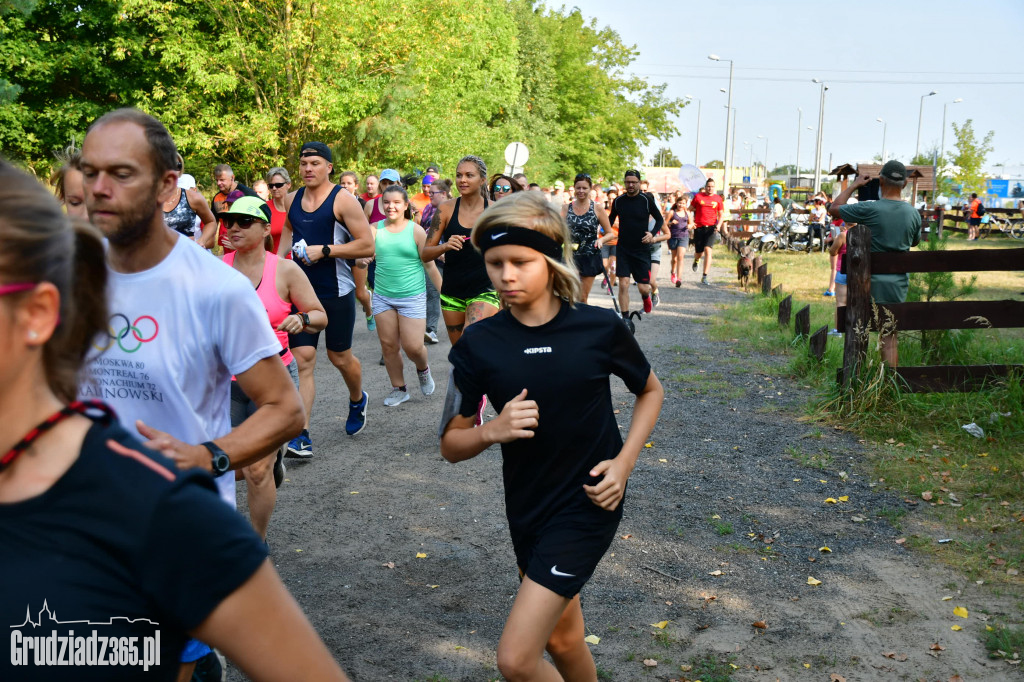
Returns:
point(516, 154)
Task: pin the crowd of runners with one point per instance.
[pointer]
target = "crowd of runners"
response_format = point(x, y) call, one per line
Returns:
point(163, 347)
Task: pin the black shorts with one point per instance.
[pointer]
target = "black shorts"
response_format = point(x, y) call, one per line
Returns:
point(341, 319)
point(974, 221)
point(702, 238)
point(589, 265)
point(634, 264)
point(564, 553)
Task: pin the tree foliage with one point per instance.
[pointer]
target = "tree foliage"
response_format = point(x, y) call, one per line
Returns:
point(384, 84)
point(666, 157)
point(970, 157)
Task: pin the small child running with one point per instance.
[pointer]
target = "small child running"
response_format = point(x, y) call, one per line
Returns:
point(565, 477)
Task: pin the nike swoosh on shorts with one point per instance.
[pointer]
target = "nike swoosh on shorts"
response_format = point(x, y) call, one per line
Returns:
point(555, 571)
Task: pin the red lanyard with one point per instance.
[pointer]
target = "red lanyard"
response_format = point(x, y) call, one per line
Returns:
point(82, 407)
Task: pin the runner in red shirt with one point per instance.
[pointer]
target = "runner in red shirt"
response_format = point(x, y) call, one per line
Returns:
point(707, 210)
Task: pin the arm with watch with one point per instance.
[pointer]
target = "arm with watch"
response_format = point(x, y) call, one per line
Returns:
point(348, 211)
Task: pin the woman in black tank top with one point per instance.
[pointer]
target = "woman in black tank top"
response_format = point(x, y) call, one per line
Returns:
point(465, 281)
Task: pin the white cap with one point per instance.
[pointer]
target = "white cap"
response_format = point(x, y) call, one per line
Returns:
point(186, 181)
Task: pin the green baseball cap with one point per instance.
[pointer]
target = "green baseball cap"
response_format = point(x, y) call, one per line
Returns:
point(251, 207)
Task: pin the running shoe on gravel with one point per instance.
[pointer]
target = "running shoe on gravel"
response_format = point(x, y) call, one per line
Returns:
point(301, 446)
point(356, 421)
point(426, 381)
point(396, 397)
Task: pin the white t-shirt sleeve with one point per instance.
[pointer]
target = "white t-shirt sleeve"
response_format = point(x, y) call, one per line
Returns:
point(240, 328)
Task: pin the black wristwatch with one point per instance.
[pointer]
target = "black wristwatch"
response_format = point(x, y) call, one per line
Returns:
point(219, 459)
point(326, 250)
point(305, 319)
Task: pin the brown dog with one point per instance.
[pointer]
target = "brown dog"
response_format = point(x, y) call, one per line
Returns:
point(743, 267)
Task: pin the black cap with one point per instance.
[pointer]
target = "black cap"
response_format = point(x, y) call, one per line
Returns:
point(634, 173)
point(317, 149)
point(894, 171)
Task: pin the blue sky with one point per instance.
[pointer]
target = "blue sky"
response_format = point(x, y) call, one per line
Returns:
point(877, 58)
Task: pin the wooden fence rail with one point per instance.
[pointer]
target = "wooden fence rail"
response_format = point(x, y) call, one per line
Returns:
point(856, 318)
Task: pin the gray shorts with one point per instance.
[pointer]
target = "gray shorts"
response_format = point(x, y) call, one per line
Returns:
point(656, 252)
point(413, 307)
point(242, 406)
point(608, 251)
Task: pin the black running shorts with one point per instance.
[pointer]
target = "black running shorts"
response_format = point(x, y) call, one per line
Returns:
point(702, 237)
point(634, 264)
point(564, 553)
point(341, 319)
point(589, 265)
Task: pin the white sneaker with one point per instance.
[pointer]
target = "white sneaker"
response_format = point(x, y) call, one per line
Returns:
point(430, 337)
point(396, 397)
point(426, 381)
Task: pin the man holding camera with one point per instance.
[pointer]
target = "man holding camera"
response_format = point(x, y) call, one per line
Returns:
point(895, 226)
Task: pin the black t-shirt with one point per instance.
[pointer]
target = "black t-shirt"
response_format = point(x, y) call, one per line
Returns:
point(564, 365)
point(122, 545)
point(633, 214)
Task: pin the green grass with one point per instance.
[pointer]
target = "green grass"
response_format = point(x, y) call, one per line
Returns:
point(915, 443)
point(1004, 642)
point(722, 527)
point(710, 668)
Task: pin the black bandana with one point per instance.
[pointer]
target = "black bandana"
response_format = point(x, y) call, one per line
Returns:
point(521, 236)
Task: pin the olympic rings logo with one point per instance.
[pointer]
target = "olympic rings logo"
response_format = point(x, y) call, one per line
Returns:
point(129, 336)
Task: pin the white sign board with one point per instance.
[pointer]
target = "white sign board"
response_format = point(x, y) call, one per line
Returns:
point(516, 154)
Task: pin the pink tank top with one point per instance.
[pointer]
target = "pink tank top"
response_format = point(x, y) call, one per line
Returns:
point(376, 215)
point(277, 309)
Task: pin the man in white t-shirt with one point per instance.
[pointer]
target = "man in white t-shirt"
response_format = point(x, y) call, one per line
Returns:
point(182, 322)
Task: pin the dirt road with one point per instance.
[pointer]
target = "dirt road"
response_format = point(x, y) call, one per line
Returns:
point(726, 517)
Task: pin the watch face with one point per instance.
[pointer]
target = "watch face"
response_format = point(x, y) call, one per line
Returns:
point(326, 250)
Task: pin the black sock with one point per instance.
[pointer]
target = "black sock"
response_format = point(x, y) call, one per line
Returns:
point(402, 388)
point(305, 432)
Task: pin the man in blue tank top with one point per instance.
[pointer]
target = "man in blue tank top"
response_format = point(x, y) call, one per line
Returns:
point(326, 231)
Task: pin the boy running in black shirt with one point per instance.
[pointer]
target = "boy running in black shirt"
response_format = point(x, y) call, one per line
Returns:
point(565, 476)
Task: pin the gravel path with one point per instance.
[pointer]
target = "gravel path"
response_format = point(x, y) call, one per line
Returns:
point(724, 519)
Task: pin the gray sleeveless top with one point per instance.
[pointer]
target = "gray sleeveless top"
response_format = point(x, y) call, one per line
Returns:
point(181, 218)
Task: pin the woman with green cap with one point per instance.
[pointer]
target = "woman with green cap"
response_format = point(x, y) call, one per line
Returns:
point(281, 286)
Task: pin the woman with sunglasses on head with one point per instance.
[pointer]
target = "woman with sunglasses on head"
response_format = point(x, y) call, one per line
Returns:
point(282, 286)
point(502, 185)
point(279, 182)
point(91, 521)
point(584, 217)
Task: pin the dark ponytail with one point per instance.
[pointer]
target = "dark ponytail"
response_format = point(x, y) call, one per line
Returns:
point(40, 244)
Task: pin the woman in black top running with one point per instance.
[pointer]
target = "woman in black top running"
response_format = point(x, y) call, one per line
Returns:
point(467, 295)
point(91, 522)
point(584, 216)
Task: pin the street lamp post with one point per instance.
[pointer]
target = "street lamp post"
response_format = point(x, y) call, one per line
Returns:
point(920, 115)
point(942, 151)
point(799, 129)
point(817, 146)
point(729, 139)
point(696, 148)
point(765, 160)
point(884, 126)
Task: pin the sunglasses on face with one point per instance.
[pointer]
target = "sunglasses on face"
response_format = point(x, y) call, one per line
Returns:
point(276, 185)
point(503, 188)
point(244, 223)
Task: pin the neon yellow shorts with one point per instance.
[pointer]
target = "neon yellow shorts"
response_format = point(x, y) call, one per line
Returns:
point(459, 305)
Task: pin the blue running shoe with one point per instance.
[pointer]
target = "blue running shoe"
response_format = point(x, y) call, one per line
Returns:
point(301, 446)
point(356, 421)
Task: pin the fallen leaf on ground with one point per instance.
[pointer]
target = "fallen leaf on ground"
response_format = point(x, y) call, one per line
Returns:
point(960, 611)
point(421, 555)
point(459, 647)
point(797, 480)
point(807, 665)
point(811, 580)
point(592, 639)
point(760, 624)
point(650, 663)
point(889, 654)
point(627, 536)
point(716, 516)
point(830, 500)
point(665, 461)
point(900, 541)
point(956, 678)
point(836, 678)
point(956, 628)
point(649, 445)
point(686, 667)
point(661, 626)
point(715, 573)
point(825, 549)
point(926, 495)
point(354, 492)
point(1012, 571)
point(858, 519)
point(844, 498)
point(937, 647)
point(433, 587)
point(390, 564)
point(946, 598)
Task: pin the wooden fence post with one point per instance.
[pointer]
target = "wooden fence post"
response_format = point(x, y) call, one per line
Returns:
point(766, 283)
point(803, 321)
point(777, 291)
point(785, 309)
point(757, 268)
point(858, 300)
point(941, 219)
point(762, 272)
point(816, 344)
